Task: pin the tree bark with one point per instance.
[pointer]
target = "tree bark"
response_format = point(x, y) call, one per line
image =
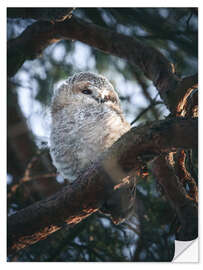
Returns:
point(87, 194)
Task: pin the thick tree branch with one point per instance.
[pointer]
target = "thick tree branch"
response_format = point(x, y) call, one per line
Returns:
point(183, 92)
point(87, 194)
point(39, 35)
point(191, 106)
point(184, 176)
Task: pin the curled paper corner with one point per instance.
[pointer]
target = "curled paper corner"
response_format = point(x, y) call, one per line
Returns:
point(186, 251)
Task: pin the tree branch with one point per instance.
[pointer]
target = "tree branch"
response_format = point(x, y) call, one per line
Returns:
point(39, 35)
point(184, 176)
point(179, 100)
point(191, 107)
point(87, 194)
point(186, 209)
point(153, 103)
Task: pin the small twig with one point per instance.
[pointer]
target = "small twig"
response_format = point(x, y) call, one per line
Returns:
point(41, 176)
point(145, 110)
point(188, 20)
point(132, 228)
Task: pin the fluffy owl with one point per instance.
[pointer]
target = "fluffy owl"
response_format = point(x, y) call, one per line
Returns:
point(86, 120)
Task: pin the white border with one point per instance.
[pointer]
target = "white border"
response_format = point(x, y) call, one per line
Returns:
point(186, 251)
point(3, 104)
point(103, 3)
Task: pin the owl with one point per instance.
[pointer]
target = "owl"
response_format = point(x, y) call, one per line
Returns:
point(86, 120)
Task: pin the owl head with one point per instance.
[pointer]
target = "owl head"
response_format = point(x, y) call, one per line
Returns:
point(85, 87)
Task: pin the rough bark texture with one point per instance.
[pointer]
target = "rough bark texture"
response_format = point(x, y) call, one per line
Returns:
point(86, 195)
point(183, 93)
point(184, 176)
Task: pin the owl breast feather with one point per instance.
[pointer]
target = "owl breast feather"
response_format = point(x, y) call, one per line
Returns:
point(80, 135)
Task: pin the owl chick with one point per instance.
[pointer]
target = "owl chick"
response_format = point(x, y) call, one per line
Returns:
point(86, 120)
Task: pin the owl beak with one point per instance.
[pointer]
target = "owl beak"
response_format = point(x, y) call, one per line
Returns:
point(101, 100)
point(104, 96)
point(100, 97)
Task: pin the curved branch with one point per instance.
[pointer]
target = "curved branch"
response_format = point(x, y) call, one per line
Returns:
point(179, 100)
point(191, 107)
point(87, 194)
point(39, 35)
point(184, 176)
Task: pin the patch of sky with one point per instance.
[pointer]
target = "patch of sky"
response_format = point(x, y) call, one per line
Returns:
point(37, 123)
point(129, 251)
point(37, 117)
point(194, 21)
point(106, 222)
point(142, 190)
point(59, 52)
point(9, 178)
point(140, 31)
point(16, 26)
point(82, 57)
point(12, 209)
point(60, 179)
point(164, 52)
point(126, 30)
point(108, 19)
point(172, 45)
point(124, 88)
point(163, 12)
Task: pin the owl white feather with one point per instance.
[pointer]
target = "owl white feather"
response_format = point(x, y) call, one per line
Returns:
point(86, 120)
